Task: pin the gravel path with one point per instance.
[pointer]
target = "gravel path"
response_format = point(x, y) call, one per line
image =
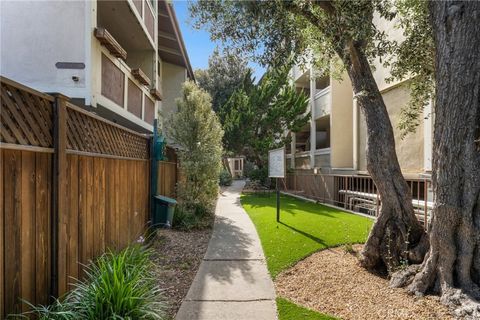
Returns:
point(332, 282)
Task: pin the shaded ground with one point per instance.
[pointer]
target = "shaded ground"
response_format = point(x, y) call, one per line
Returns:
point(331, 281)
point(178, 256)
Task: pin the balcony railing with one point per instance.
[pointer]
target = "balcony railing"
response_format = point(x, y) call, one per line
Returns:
point(297, 72)
point(322, 158)
point(322, 103)
point(122, 92)
point(147, 15)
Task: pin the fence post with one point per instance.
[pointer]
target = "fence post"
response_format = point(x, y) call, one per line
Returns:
point(153, 171)
point(59, 201)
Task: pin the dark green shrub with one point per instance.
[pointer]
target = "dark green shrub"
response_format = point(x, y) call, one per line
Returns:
point(196, 217)
point(260, 175)
point(248, 167)
point(117, 286)
point(225, 178)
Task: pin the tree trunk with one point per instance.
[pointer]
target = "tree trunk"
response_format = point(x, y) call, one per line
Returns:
point(452, 265)
point(397, 235)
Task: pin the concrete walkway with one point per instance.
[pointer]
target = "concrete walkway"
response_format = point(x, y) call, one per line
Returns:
point(233, 281)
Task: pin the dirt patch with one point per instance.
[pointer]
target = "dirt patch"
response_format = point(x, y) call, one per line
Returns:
point(178, 255)
point(332, 282)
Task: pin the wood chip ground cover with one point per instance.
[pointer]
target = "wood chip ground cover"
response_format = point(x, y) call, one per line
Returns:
point(332, 282)
point(178, 256)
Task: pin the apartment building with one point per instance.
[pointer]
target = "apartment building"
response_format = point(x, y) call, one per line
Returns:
point(327, 158)
point(334, 141)
point(124, 60)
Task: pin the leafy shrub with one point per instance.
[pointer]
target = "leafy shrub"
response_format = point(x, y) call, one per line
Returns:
point(188, 219)
point(117, 286)
point(260, 175)
point(197, 130)
point(248, 167)
point(225, 178)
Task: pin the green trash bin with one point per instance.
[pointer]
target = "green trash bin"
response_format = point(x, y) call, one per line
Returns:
point(164, 209)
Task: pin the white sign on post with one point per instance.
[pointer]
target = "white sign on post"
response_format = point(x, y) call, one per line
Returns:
point(276, 163)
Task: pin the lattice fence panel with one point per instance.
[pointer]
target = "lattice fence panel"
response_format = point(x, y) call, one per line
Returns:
point(26, 117)
point(90, 134)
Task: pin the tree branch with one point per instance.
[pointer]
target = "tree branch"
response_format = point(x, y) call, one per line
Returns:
point(323, 26)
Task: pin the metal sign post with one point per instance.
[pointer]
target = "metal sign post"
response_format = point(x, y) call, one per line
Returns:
point(278, 200)
point(276, 169)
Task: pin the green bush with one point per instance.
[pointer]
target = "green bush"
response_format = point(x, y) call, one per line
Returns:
point(260, 175)
point(197, 130)
point(225, 178)
point(186, 219)
point(117, 286)
point(248, 167)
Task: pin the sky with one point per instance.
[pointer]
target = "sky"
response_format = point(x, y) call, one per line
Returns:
point(198, 43)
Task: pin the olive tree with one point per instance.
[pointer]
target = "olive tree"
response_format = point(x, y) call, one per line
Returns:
point(329, 29)
point(452, 265)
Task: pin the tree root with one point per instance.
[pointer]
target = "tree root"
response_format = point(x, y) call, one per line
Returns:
point(394, 243)
point(424, 278)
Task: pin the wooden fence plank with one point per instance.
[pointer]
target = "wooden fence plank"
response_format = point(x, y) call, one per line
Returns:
point(73, 225)
point(89, 212)
point(27, 244)
point(146, 194)
point(117, 184)
point(60, 211)
point(82, 211)
point(123, 204)
point(130, 219)
point(99, 205)
point(2, 248)
point(42, 225)
point(12, 203)
point(138, 200)
point(109, 203)
point(102, 206)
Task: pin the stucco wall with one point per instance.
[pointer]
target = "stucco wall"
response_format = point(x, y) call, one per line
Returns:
point(35, 35)
point(380, 73)
point(172, 79)
point(410, 149)
point(341, 126)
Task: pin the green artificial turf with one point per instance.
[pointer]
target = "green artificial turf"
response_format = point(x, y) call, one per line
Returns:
point(290, 311)
point(304, 228)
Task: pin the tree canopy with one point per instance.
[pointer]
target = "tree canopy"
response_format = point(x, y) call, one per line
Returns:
point(257, 116)
point(224, 74)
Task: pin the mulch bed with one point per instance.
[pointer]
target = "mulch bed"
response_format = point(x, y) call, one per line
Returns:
point(178, 256)
point(332, 282)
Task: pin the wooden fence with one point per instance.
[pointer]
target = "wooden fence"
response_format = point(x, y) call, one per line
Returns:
point(167, 178)
point(355, 192)
point(72, 184)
